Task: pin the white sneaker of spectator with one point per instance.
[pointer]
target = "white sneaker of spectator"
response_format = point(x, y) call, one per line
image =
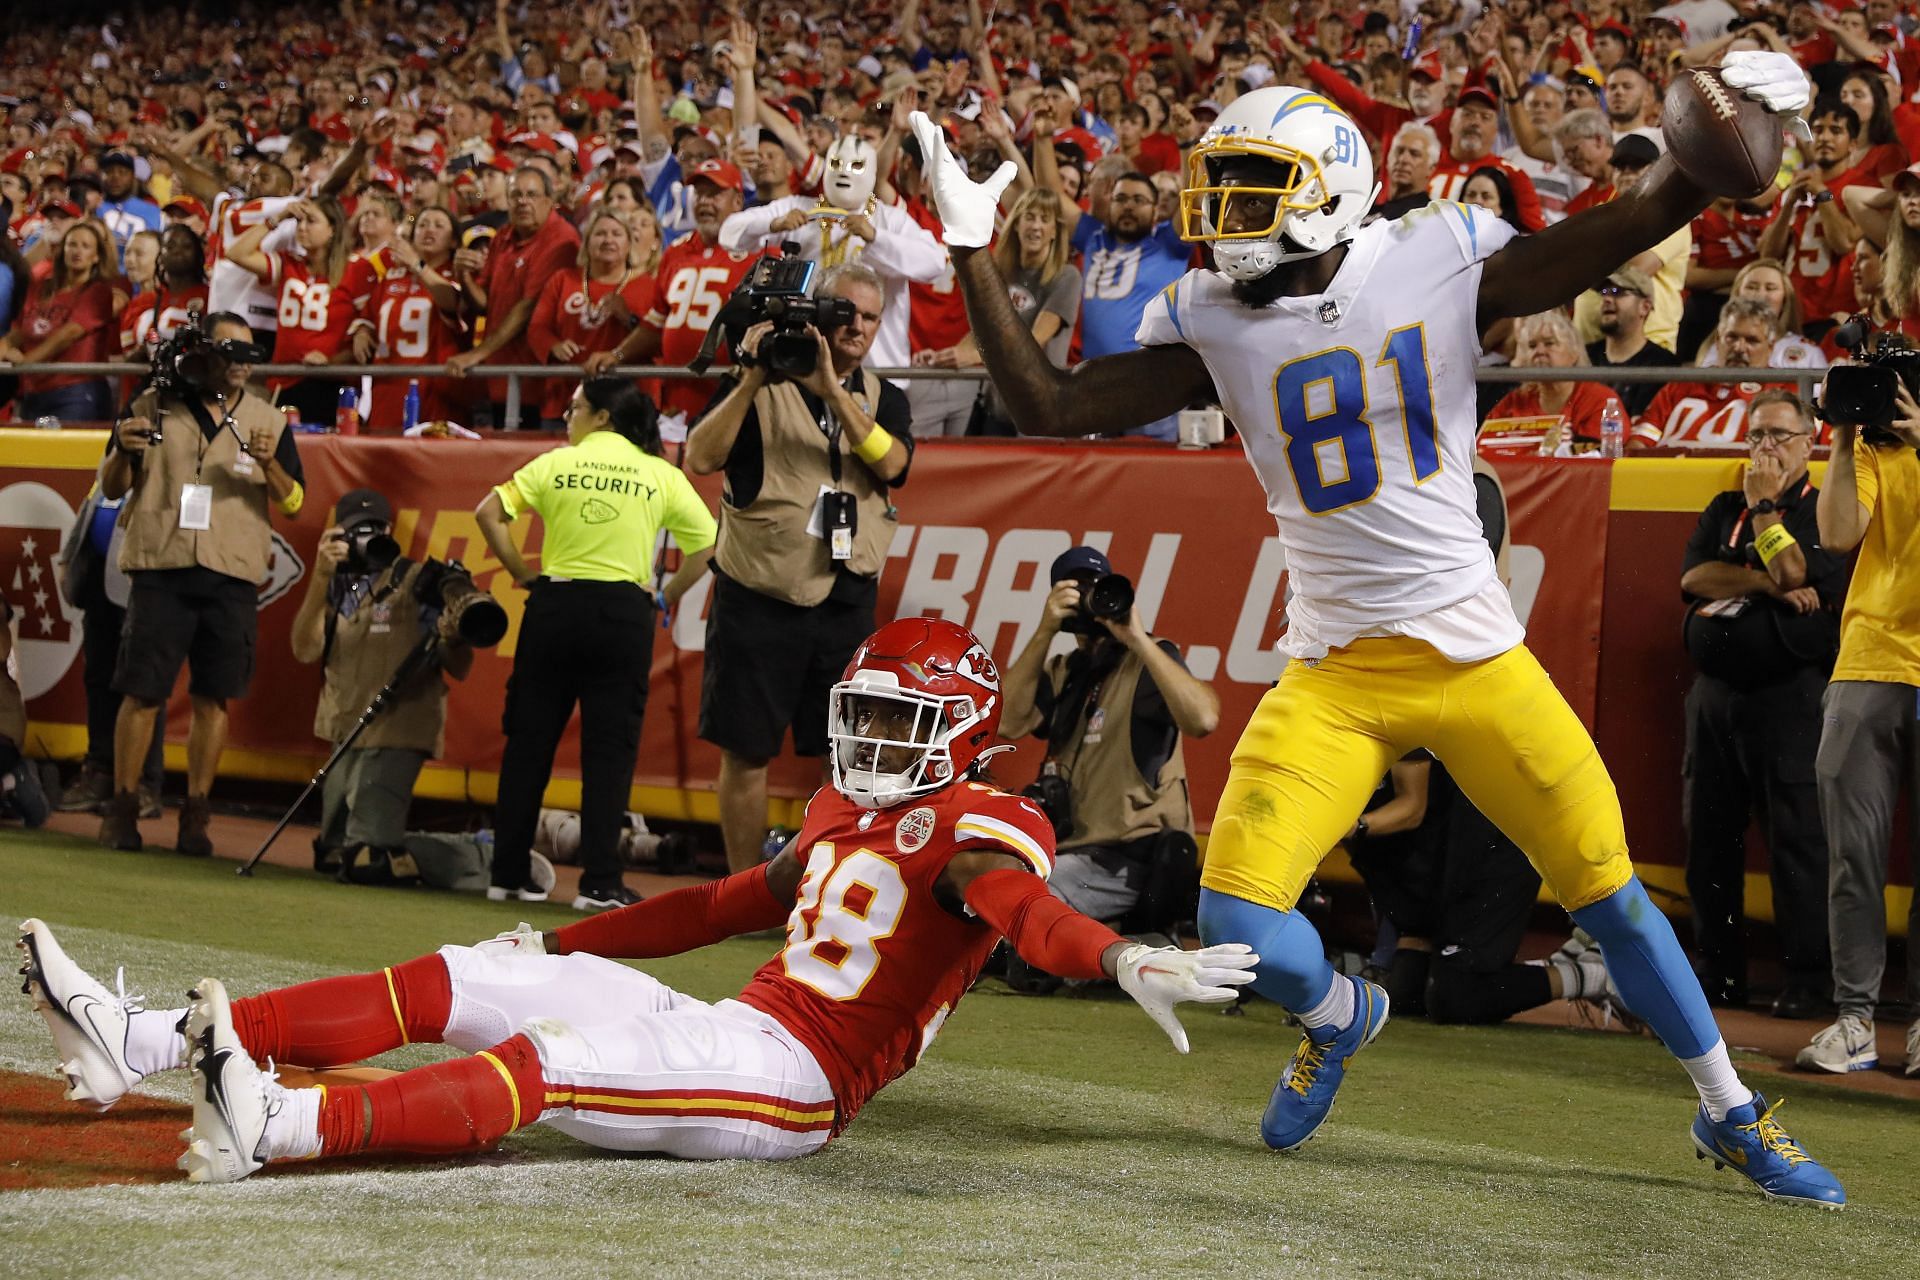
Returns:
point(1913, 1049)
point(1847, 1045)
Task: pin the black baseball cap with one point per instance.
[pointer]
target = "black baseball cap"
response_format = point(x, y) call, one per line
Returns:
point(361, 506)
point(1076, 562)
point(1635, 151)
point(117, 159)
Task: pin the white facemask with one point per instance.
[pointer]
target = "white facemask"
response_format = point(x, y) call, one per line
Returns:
point(852, 169)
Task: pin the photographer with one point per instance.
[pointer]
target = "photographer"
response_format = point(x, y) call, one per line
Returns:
point(805, 523)
point(1112, 712)
point(198, 460)
point(362, 617)
point(1871, 501)
point(587, 634)
point(1762, 628)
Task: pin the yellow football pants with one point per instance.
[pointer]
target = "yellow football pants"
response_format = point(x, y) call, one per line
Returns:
point(1321, 740)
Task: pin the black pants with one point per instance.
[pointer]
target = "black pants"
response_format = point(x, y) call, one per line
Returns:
point(1751, 756)
point(589, 643)
point(100, 625)
point(1470, 895)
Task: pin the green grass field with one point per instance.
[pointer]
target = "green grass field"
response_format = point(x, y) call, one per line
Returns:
point(1042, 1137)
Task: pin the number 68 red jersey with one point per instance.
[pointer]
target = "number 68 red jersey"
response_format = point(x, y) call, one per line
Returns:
point(874, 961)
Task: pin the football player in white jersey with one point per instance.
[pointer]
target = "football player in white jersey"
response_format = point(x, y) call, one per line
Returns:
point(1345, 353)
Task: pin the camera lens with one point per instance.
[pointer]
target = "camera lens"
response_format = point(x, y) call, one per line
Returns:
point(1109, 598)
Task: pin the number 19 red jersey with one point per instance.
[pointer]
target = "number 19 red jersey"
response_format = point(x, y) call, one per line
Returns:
point(874, 961)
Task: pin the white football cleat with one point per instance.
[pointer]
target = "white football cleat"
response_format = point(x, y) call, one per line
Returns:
point(232, 1098)
point(89, 1022)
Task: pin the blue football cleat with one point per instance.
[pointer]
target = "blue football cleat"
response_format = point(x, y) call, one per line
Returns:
point(1304, 1097)
point(1753, 1142)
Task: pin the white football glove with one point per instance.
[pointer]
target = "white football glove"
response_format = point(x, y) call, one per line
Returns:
point(1158, 978)
point(967, 208)
point(1774, 80)
point(521, 940)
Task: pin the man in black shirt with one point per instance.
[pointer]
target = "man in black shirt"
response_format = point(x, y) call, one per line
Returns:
point(1626, 300)
point(1762, 628)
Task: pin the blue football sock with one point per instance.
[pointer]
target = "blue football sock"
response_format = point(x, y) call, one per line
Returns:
point(1293, 970)
point(1651, 970)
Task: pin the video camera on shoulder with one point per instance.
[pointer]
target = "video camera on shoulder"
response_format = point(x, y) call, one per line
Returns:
point(780, 291)
point(1864, 394)
point(191, 362)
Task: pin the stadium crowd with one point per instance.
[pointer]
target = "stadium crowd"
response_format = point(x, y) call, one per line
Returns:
point(454, 187)
point(449, 186)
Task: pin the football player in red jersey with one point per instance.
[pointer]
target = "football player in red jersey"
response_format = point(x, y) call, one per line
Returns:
point(903, 877)
point(695, 279)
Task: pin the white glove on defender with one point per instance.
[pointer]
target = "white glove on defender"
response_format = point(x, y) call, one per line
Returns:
point(967, 208)
point(1160, 977)
point(1774, 80)
point(522, 940)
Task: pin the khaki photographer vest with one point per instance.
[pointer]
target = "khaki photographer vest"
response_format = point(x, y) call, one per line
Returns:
point(238, 539)
point(367, 649)
point(1112, 803)
point(765, 545)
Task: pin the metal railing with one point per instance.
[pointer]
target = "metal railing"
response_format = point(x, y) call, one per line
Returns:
point(1805, 381)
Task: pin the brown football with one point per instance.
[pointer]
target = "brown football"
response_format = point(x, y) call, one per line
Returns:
point(1725, 141)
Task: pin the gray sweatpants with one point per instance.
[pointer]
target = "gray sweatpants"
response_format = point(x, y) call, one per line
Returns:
point(1867, 751)
point(366, 797)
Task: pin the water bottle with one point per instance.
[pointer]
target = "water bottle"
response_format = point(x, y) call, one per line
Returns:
point(1613, 431)
point(410, 414)
point(777, 840)
point(47, 422)
point(347, 420)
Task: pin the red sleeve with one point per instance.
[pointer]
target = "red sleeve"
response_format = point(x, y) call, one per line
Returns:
point(1376, 117)
point(1526, 199)
point(542, 333)
point(1652, 424)
point(1047, 933)
point(556, 255)
point(679, 921)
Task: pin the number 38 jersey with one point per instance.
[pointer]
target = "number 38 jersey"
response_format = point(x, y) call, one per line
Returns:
point(874, 963)
point(1357, 410)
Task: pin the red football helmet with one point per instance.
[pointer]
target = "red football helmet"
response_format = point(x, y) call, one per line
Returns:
point(918, 706)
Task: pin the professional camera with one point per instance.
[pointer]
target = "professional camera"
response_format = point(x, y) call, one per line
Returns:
point(1863, 394)
point(1054, 796)
point(189, 362)
point(476, 617)
point(1108, 598)
point(780, 291)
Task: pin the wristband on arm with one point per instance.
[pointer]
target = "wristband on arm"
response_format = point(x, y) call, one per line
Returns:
point(1047, 933)
point(1771, 542)
point(875, 446)
point(676, 922)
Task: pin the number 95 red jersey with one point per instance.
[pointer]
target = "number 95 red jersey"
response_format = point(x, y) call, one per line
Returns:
point(874, 960)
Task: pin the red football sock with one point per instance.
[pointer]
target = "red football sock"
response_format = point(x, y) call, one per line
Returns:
point(446, 1108)
point(339, 1020)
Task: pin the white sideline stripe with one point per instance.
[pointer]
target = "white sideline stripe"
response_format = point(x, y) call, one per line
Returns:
point(979, 824)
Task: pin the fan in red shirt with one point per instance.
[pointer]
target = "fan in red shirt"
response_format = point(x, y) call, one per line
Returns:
point(1811, 231)
point(68, 318)
point(696, 278)
point(1475, 132)
point(1713, 415)
point(179, 293)
point(411, 315)
point(314, 311)
point(1556, 419)
point(590, 307)
point(904, 876)
point(1726, 237)
point(506, 282)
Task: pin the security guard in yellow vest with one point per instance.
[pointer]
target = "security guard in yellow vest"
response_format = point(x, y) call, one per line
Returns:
point(587, 634)
point(363, 622)
point(1113, 712)
point(805, 525)
point(200, 473)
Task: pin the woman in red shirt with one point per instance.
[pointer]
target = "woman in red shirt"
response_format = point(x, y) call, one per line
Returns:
point(314, 310)
point(70, 317)
point(1552, 419)
point(589, 308)
point(413, 317)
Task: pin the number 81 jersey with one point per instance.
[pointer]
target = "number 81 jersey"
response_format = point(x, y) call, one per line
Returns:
point(874, 961)
point(1357, 410)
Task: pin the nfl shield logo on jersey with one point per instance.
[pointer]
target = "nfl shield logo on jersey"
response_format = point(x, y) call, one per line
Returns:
point(913, 831)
